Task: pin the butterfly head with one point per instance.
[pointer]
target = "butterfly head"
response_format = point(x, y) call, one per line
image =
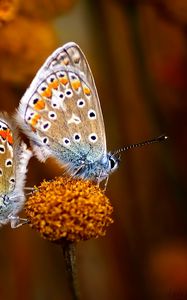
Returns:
point(114, 160)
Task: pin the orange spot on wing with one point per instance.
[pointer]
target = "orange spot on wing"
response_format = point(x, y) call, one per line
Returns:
point(47, 93)
point(86, 90)
point(3, 134)
point(54, 84)
point(64, 80)
point(33, 129)
point(65, 61)
point(7, 135)
point(76, 84)
point(35, 120)
point(40, 104)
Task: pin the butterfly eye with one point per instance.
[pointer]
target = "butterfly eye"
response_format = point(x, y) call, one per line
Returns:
point(114, 161)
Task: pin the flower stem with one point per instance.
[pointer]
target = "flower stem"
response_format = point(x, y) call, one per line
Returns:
point(70, 263)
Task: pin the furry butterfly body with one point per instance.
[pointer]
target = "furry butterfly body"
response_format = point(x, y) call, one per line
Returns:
point(61, 114)
point(14, 157)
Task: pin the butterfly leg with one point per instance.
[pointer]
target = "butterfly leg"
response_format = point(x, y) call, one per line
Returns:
point(16, 221)
point(76, 172)
point(105, 184)
point(30, 190)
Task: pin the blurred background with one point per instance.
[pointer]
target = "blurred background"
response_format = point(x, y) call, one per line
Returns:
point(138, 55)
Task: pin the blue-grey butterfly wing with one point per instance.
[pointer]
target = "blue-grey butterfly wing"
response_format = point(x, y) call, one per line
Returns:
point(61, 111)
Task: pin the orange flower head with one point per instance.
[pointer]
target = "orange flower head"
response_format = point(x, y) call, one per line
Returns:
point(69, 208)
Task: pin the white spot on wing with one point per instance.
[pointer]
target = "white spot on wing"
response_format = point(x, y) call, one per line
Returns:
point(57, 100)
point(91, 114)
point(74, 119)
point(2, 148)
point(92, 137)
point(77, 137)
point(52, 115)
point(66, 142)
point(46, 126)
point(33, 99)
point(69, 93)
point(51, 78)
point(45, 140)
point(3, 125)
point(42, 87)
point(80, 102)
point(73, 76)
point(8, 163)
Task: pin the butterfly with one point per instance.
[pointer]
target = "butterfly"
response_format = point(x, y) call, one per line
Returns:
point(61, 114)
point(14, 157)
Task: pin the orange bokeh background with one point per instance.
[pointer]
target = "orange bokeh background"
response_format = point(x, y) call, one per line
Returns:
point(137, 52)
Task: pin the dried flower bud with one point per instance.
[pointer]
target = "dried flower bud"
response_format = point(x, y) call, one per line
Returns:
point(24, 45)
point(45, 9)
point(69, 208)
point(8, 10)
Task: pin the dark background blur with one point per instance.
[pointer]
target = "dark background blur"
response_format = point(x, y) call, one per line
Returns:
point(138, 55)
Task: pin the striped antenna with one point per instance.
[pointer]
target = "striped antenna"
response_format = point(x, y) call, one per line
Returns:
point(159, 139)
